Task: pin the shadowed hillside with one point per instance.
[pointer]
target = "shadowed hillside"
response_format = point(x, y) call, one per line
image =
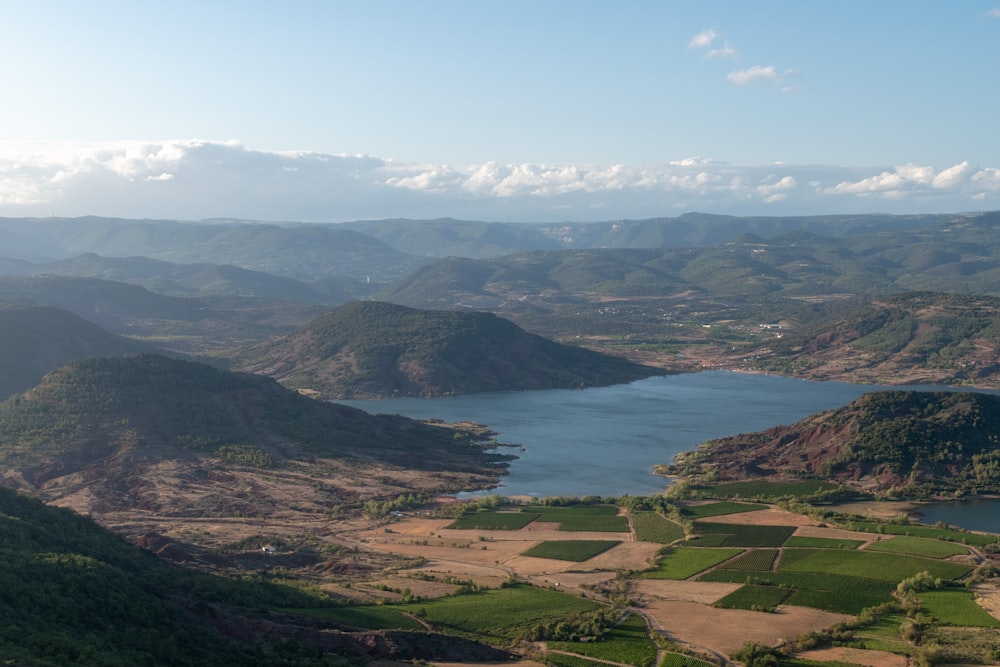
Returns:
point(369, 348)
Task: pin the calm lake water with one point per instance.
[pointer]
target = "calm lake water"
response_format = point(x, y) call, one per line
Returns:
point(605, 441)
point(971, 514)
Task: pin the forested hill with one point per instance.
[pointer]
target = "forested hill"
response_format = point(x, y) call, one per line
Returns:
point(36, 339)
point(102, 425)
point(72, 593)
point(898, 443)
point(367, 349)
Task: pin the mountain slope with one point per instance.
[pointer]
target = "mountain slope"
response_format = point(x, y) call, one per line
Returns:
point(907, 443)
point(169, 438)
point(35, 340)
point(369, 348)
point(917, 337)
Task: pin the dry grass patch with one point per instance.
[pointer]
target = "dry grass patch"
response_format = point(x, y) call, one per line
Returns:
point(987, 595)
point(834, 533)
point(855, 656)
point(726, 630)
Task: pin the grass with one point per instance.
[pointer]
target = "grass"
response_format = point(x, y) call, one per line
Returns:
point(914, 530)
point(918, 546)
point(600, 518)
point(870, 565)
point(572, 550)
point(956, 607)
point(494, 520)
point(758, 560)
point(626, 643)
point(683, 562)
point(822, 543)
point(656, 528)
point(719, 509)
point(756, 597)
point(747, 536)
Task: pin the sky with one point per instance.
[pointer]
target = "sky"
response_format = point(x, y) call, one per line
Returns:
point(539, 110)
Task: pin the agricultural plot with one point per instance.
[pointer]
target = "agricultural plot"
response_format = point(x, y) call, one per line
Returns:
point(755, 597)
point(562, 660)
point(956, 607)
point(755, 560)
point(572, 550)
point(918, 546)
point(746, 536)
point(382, 617)
point(931, 532)
point(819, 590)
point(625, 643)
point(656, 528)
point(764, 489)
point(601, 518)
point(888, 567)
point(821, 543)
point(684, 562)
point(719, 509)
point(679, 660)
point(499, 615)
point(494, 520)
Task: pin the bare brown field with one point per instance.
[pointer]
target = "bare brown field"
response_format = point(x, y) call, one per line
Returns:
point(855, 656)
point(769, 517)
point(726, 630)
point(987, 595)
point(834, 533)
point(704, 592)
point(879, 509)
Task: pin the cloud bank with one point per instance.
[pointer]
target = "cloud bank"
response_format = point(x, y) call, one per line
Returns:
point(195, 179)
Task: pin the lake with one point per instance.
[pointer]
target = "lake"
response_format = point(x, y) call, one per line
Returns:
point(605, 441)
point(971, 514)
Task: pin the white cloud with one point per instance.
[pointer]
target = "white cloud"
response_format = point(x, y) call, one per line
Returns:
point(757, 74)
point(722, 53)
point(703, 39)
point(197, 179)
point(994, 13)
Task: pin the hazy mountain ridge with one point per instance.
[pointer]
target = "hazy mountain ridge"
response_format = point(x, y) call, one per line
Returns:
point(892, 442)
point(36, 339)
point(374, 349)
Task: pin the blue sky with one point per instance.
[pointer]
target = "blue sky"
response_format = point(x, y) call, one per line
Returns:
point(507, 111)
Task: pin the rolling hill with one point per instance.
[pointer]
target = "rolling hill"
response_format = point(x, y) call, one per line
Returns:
point(895, 443)
point(375, 349)
point(162, 438)
point(37, 339)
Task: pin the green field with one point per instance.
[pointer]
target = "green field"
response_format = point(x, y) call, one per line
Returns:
point(494, 520)
point(757, 560)
point(573, 550)
point(683, 562)
point(626, 643)
point(603, 518)
point(656, 528)
point(822, 543)
point(932, 532)
point(719, 509)
point(918, 546)
point(368, 617)
point(494, 615)
point(819, 590)
point(870, 565)
point(753, 596)
point(954, 606)
point(679, 660)
point(746, 536)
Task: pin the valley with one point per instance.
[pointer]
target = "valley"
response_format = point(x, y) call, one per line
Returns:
point(170, 381)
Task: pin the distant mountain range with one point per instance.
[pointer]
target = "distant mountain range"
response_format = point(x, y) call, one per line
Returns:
point(892, 443)
point(373, 349)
